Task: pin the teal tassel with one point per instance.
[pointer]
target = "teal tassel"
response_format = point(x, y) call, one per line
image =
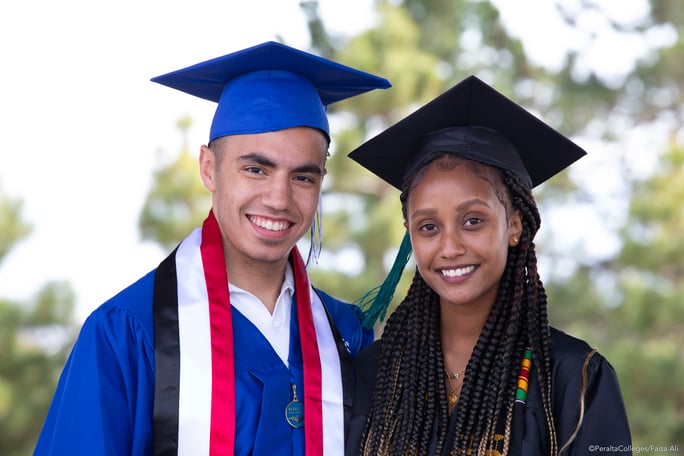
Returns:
point(375, 303)
point(316, 243)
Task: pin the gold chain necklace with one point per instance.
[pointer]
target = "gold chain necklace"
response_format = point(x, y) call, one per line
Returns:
point(452, 397)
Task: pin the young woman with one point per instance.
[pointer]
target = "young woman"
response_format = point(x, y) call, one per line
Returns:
point(467, 363)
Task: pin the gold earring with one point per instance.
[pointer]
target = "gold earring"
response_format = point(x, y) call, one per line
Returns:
point(515, 240)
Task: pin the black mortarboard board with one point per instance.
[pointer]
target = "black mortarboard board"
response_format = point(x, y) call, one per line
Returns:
point(489, 128)
point(270, 87)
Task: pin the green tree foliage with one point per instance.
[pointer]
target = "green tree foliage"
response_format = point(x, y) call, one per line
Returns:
point(361, 212)
point(423, 48)
point(12, 227)
point(650, 275)
point(629, 305)
point(34, 340)
point(177, 202)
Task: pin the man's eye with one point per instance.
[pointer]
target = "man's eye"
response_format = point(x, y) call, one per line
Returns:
point(306, 179)
point(254, 169)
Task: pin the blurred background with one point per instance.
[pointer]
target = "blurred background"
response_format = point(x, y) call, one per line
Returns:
point(98, 174)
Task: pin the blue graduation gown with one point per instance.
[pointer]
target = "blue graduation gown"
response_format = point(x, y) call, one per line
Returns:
point(104, 401)
point(263, 390)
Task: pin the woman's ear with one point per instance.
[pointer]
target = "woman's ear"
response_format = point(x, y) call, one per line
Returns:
point(514, 229)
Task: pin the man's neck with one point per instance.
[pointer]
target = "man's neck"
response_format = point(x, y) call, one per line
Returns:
point(263, 280)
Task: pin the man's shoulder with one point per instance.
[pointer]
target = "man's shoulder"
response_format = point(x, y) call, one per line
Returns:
point(333, 303)
point(135, 301)
point(347, 318)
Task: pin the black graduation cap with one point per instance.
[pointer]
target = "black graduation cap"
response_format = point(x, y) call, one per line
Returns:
point(475, 121)
point(270, 87)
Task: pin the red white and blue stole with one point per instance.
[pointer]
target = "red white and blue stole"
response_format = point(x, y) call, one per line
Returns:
point(195, 389)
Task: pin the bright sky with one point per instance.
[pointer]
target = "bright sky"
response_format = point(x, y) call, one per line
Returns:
point(81, 124)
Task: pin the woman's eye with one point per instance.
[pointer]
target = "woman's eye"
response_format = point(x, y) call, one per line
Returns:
point(428, 227)
point(473, 221)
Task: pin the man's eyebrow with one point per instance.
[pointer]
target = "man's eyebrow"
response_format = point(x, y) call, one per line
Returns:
point(262, 160)
point(259, 159)
point(308, 169)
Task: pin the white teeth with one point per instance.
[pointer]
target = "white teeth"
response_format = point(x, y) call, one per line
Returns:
point(269, 224)
point(457, 272)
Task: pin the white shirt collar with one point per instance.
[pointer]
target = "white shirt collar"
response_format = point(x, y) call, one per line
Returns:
point(276, 326)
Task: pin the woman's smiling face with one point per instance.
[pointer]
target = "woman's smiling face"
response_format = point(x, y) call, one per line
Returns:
point(460, 231)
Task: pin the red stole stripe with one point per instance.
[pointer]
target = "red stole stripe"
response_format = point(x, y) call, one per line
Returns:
point(313, 405)
point(222, 433)
point(222, 436)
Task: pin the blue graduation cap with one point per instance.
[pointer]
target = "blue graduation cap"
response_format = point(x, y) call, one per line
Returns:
point(270, 87)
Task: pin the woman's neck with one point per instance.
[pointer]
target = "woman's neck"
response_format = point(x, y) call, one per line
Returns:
point(459, 331)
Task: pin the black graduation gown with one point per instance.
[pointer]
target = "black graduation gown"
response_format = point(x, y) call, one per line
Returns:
point(605, 427)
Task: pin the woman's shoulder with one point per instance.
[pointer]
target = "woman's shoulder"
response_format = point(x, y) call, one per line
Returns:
point(587, 401)
point(367, 361)
point(567, 345)
point(569, 355)
point(578, 371)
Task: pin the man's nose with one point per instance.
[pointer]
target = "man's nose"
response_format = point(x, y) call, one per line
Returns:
point(277, 193)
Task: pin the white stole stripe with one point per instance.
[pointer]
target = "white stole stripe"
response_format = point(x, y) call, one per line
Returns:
point(331, 380)
point(194, 414)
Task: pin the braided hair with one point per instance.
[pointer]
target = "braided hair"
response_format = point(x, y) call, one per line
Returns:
point(409, 401)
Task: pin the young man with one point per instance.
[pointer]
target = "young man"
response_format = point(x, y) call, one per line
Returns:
point(226, 348)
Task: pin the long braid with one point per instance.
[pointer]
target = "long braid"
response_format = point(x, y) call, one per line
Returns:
point(522, 306)
point(409, 396)
point(537, 312)
point(405, 400)
point(482, 389)
point(491, 352)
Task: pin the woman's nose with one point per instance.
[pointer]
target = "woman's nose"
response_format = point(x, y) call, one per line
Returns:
point(452, 244)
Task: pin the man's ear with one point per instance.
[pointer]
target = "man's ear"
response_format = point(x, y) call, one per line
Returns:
point(207, 165)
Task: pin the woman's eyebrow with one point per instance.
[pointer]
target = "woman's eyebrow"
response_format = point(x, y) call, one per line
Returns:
point(464, 205)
